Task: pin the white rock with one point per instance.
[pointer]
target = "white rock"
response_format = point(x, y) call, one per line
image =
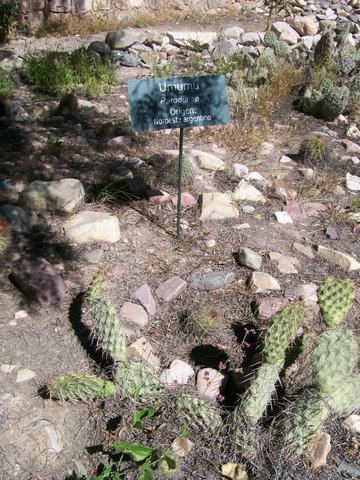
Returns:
point(207, 160)
point(233, 32)
point(210, 243)
point(209, 382)
point(307, 294)
point(260, 282)
point(143, 350)
point(352, 182)
point(178, 373)
point(251, 39)
point(24, 375)
point(20, 315)
point(217, 206)
point(245, 191)
point(283, 217)
point(352, 423)
point(352, 131)
point(285, 159)
point(289, 36)
point(92, 227)
point(7, 368)
point(182, 446)
point(188, 39)
point(342, 119)
point(237, 172)
point(306, 26)
point(345, 261)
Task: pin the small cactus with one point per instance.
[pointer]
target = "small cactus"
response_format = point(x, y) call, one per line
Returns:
point(94, 290)
point(336, 299)
point(323, 52)
point(270, 39)
point(282, 50)
point(326, 86)
point(201, 413)
point(137, 381)
point(314, 150)
point(107, 330)
point(188, 172)
point(80, 386)
point(281, 333)
point(203, 321)
point(335, 103)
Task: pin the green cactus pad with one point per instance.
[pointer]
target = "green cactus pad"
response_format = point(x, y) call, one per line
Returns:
point(94, 290)
point(80, 386)
point(310, 411)
point(201, 413)
point(326, 86)
point(259, 394)
point(335, 103)
point(334, 357)
point(346, 396)
point(281, 333)
point(324, 50)
point(107, 330)
point(282, 50)
point(270, 39)
point(137, 381)
point(336, 299)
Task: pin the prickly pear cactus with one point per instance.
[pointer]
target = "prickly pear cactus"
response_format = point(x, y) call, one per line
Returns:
point(324, 50)
point(259, 394)
point(336, 299)
point(346, 397)
point(137, 381)
point(309, 412)
point(270, 39)
point(335, 103)
point(310, 101)
point(281, 333)
point(80, 386)
point(267, 59)
point(326, 86)
point(282, 50)
point(188, 172)
point(94, 290)
point(314, 150)
point(334, 358)
point(107, 330)
point(199, 412)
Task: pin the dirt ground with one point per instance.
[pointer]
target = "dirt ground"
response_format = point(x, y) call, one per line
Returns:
point(44, 439)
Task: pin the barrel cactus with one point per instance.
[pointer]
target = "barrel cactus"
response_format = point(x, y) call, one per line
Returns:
point(314, 150)
point(80, 386)
point(188, 173)
point(336, 299)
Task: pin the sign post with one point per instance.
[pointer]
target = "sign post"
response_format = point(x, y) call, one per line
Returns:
point(181, 102)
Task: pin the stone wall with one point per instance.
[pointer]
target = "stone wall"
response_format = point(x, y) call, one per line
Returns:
point(34, 13)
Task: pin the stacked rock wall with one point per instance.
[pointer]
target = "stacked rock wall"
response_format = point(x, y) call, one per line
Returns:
point(34, 13)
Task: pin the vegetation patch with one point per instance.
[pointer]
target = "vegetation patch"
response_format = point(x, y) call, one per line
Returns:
point(7, 84)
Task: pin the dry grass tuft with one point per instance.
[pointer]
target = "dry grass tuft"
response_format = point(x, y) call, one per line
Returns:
point(247, 133)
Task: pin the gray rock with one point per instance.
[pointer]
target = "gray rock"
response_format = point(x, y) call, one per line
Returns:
point(224, 49)
point(171, 288)
point(38, 279)
point(124, 38)
point(64, 195)
point(251, 39)
point(24, 375)
point(94, 256)
point(18, 218)
point(233, 32)
point(129, 60)
point(99, 47)
point(53, 436)
point(237, 172)
point(248, 258)
point(213, 280)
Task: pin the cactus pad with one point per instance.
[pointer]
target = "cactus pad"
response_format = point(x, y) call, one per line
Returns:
point(270, 39)
point(334, 358)
point(94, 290)
point(107, 329)
point(80, 386)
point(346, 397)
point(336, 299)
point(137, 381)
point(335, 103)
point(199, 412)
point(281, 333)
point(324, 50)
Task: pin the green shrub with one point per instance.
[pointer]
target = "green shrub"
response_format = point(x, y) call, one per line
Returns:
point(59, 73)
point(7, 84)
point(9, 10)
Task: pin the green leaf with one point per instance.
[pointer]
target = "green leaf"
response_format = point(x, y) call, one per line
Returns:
point(121, 447)
point(142, 415)
point(169, 463)
point(137, 452)
point(148, 473)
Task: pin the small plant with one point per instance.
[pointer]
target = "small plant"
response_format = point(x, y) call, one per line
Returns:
point(60, 73)
point(52, 146)
point(163, 68)
point(9, 11)
point(7, 84)
point(188, 172)
point(314, 150)
point(203, 321)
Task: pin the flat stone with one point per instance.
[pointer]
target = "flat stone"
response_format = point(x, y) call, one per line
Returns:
point(289, 36)
point(234, 471)
point(130, 312)
point(267, 307)
point(170, 289)
point(182, 446)
point(24, 375)
point(319, 449)
point(283, 217)
point(353, 182)
point(191, 39)
point(145, 297)
point(217, 206)
point(19, 219)
point(62, 195)
point(352, 423)
point(245, 191)
point(306, 26)
point(351, 147)
point(187, 200)
point(209, 383)
point(307, 294)
point(92, 226)
point(301, 210)
point(237, 172)
point(129, 60)
point(53, 436)
point(233, 32)
point(94, 256)
point(303, 249)
point(208, 161)
point(285, 159)
point(344, 261)
point(332, 233)
point(261, 282)
point(143, 350)
point(251, 39)
point(124, 38)
point(158, 196)
point(284, 263)
point(178, 373)
point(213, 280)
point(20, 315)
point(38, 279)
point(248, 258)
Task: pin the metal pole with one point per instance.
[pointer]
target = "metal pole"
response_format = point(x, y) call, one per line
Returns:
point(181, 144)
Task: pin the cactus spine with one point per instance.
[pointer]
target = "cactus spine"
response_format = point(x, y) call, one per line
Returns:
point(199, 412)
point(336, 299)
point(80, 386)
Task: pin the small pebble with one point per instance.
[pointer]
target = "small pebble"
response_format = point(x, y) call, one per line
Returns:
point(20, 314)
point(210, 243)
